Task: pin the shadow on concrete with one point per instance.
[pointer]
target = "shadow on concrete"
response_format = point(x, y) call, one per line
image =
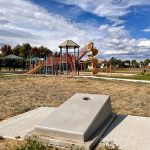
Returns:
point(117, 120)
point(115, 123)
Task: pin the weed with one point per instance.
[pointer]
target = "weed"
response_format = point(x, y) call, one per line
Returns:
point(33, 145)
point(110, 145)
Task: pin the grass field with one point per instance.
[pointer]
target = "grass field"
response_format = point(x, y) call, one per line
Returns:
point(134, 77)
point(19, 94)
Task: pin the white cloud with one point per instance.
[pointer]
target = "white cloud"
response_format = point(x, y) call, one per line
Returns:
point(145, 43)
point(27, 22)
point(146, 30)
point(111, 9)
point(22, 21)
point(116, 41)
point(114, 52)
point(107, 7)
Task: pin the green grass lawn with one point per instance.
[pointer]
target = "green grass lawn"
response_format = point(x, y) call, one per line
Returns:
point(135, 77)
point(125, 72)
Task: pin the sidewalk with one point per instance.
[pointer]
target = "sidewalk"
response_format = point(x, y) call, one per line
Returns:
point(117, 79)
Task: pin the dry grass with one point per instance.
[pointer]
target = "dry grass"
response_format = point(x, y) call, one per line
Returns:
point(20, 94)
point(10, 144)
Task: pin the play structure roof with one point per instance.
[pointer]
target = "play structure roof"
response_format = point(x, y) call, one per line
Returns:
point(32, 59)
point(69, 44)
point(12, 57)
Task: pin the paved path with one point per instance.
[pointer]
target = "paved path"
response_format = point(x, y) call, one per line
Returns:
point(119, 74)
point(22, 124)
point(129, 133)
point(117, 79)
point(95, 77)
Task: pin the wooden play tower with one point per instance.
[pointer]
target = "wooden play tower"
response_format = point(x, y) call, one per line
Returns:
point(71, 48)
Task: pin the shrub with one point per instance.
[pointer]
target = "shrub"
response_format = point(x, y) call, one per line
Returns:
point(34, 145)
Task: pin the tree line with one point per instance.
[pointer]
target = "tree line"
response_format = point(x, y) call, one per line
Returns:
point(25, 50)
point(128, 63)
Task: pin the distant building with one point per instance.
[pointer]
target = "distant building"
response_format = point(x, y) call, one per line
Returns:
point(127, 64)
point(102, 65)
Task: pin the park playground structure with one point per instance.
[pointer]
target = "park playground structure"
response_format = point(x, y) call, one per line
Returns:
point(68, 61)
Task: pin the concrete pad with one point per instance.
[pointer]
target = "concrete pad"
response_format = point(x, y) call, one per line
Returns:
point(20, 125)
point(129, 133)
point(75, 121)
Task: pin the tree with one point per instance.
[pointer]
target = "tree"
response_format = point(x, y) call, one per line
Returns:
point(43, 51)
point(22, 50)
point(6, 50)
point(16, 50)
point(34, 52)
point(146, 62)
point(113, 61)
point(26, 49)
point(135, 64)
point(0, 62)
point(141, 64)
point(127, 61)
point(120, 63)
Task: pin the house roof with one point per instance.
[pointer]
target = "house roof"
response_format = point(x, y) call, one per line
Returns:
point(69, 44)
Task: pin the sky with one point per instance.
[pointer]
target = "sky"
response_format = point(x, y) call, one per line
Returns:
point(118, 28)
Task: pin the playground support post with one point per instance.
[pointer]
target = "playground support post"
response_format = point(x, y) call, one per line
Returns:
point(81, 67)
point(110, 67)
point(46, 63)
point(84, 66)
point(52, 64)
point(107, 68)
point(9, 64)
point(78, 61)
point(30, 63)
point(60, 60)
point(66, 60)
point(74, 59)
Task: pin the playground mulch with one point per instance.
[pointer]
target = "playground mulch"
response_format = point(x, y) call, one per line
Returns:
point(19, 94)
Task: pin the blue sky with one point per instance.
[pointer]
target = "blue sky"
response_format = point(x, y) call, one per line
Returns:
point(118, 28)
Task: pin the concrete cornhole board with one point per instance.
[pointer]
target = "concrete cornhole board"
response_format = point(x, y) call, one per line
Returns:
point(129, 133)
point(81, 121)
point(20, 125)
